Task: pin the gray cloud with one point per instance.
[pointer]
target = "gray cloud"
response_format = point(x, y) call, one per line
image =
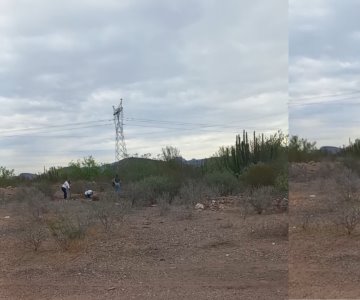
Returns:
point(204, 63)
point(324, 70)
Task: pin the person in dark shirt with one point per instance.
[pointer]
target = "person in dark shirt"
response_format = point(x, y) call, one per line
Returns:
point(116, 183)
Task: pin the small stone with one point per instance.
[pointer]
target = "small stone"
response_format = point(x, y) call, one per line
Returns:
point(199, 206)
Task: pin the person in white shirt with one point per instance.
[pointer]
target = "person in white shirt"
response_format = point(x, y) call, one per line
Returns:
point(65, 188)
point(88, 194)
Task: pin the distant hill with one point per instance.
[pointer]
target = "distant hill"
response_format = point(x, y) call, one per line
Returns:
point(331, 150)
point(192, 162)
point(27, 176)
point(129, 160)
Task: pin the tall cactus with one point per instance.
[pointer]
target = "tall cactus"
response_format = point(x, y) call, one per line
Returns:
point(242, 154)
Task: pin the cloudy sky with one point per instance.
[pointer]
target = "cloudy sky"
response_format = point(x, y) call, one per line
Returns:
point(192, 74)
point(324, 70)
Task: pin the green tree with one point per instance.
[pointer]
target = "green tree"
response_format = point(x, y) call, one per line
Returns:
point(6, 176)
point(6, 173)
point(88, 169)
point(169, 153)
point(301, 149)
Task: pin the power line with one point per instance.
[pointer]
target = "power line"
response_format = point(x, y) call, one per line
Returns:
point(203, 129)
point(329, 95)
point(331, 102)
point(181, 124)
point(52, 126)
point(204, 124)
point(58, 130)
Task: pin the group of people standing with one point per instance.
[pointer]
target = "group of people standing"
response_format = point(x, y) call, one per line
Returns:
point(89, 193)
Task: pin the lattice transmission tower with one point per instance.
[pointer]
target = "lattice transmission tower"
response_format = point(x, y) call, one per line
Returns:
point(120, 147)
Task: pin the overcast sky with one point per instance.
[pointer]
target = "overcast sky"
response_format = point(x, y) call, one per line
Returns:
point(324, 70)
point(192, 74)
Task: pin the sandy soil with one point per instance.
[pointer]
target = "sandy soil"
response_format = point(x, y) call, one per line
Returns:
point(207, 255)
point(324, 262)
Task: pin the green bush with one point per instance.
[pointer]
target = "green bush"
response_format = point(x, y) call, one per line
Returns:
point(7, 177)
point(193, 191)
point(282, 182)
point(261, 198)
point(301, 150)
point(225, 182)
point(65, 229)
point(260, 175)
point(147, 190)
point(163, 201)
point(352, 163)
point(45, 187)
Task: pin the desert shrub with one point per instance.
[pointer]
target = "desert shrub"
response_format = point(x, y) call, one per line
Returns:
point(244, 205)
point(20, 195)
point(45, 187)
point(35, 234)
point(271, 228)
point(301, 150)
point(108, 211)
point(325, 169)
point(193, 191)
point(7, 177)
point(281, 203)
point(348, 218)
point(64, 231)
point(225, 182)
point(347, 184)
point(259, 175)
point(353, 149)
point(138, 193)
point(66, 226)
point(190, 193)
point(31, 203)
point(163, 201)
point(352, 163)
point(186, 213)
point(162, 184)
point(305, 220)
point(261, 198)
point(38, 205)
point(145, 192)
point(3, 198)
point(282, 182)
point(297, 172)
point(105, 212)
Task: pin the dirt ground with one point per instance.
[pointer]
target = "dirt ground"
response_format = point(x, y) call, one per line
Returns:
point(324, 262)
point(209, 254)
